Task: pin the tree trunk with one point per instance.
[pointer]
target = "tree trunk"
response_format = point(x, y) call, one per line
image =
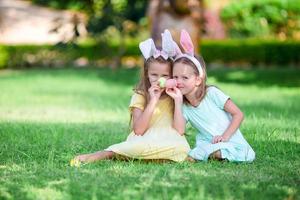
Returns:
point(176, 15)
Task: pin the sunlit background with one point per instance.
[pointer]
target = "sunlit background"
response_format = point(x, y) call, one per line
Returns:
point(55, 33)
point(67, 70)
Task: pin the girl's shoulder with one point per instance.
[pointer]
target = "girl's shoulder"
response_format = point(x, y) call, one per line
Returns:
point(212, 89)
point(217, 96)
point(138, 93)
point(137, 100)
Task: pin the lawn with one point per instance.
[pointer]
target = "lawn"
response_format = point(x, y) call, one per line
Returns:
point(49, 115)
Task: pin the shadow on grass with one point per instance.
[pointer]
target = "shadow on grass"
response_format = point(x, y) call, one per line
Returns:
point(260, 77)
point(34, 165)
point(129, 77)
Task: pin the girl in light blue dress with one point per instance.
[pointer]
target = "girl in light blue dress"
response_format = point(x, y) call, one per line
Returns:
point(208, 109)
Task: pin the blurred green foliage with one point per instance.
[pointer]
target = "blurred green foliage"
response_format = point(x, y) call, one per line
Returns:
point(116, 13)
point(238, 51)
point(267, 18)
point(104, 13)
point(66, 4)
point(4, 56)
point(252, 51)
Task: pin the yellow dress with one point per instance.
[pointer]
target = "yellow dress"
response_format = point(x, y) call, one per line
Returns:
point(160, 141)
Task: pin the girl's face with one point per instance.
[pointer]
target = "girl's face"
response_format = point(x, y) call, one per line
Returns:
point(187, 80)
point(157, 70)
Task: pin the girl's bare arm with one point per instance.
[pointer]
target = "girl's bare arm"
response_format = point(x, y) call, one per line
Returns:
point(237, 118)
point(142, 118)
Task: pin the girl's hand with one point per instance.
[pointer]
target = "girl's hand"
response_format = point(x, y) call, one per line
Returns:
point(219, 138)
point(155, 92)
point(175, 93)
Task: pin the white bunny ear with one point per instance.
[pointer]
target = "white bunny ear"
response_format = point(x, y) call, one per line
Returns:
point(168, 43)
point(177, 49)
point(147, 48)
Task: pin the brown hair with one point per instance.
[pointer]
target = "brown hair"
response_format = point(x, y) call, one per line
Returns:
point(201, 91)
point(144, 83)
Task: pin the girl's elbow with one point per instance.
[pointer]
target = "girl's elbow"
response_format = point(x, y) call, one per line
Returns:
point(241, 116)
point(181, 131)
point(138, 131)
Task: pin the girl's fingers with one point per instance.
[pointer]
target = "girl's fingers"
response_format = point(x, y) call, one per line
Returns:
point(155, 89)
point(220, 139)
point(169, 90)
point(217, 139)
point(177, 90)
point(214, 140)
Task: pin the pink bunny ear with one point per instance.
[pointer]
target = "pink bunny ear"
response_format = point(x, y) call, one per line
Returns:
point(186, 42)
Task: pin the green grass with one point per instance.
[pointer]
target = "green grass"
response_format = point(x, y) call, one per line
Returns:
point(48, 116)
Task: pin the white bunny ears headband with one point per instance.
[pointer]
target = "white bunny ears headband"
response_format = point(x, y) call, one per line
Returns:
point(148, 48)
point(170, 49)
point(188, 47)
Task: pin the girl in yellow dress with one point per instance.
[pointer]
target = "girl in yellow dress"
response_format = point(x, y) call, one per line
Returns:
point(152, 136)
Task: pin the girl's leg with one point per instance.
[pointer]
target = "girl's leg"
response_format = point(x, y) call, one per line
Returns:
point(92, 157)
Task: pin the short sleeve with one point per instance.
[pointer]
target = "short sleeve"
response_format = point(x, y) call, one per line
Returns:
point(217, 96)
point(137, 101)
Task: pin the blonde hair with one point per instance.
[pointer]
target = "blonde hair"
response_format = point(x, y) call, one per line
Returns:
point(202, 88)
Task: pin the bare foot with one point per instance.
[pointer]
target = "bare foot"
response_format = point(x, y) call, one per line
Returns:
point(92, 157)
point(81, 158)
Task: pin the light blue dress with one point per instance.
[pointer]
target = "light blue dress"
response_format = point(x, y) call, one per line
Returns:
point(210, 119)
